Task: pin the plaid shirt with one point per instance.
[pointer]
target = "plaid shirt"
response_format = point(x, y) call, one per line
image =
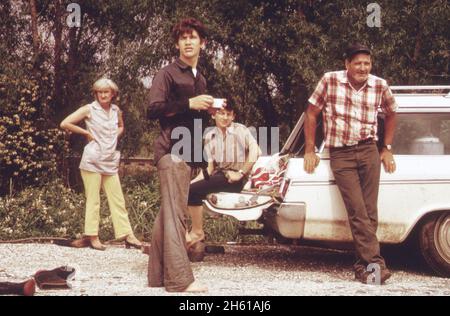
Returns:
point(350, 116)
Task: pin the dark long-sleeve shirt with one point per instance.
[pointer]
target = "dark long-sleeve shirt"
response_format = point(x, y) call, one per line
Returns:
point(169, 96)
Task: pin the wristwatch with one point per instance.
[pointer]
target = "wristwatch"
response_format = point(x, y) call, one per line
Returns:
point(388, 147)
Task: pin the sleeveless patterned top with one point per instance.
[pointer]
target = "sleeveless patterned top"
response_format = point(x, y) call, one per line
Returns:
point(100, 155)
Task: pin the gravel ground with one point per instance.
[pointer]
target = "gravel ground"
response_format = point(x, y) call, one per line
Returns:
point(259, 270)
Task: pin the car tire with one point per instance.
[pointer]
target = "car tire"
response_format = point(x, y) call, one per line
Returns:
point(434, 242)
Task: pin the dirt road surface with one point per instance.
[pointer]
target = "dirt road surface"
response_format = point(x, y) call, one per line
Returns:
point(257, 270)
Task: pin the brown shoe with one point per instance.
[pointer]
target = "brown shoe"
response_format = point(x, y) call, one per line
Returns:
point(54, 279)
point(94, 243)
point(83, 242)
point(132, 242)
point(27, 288)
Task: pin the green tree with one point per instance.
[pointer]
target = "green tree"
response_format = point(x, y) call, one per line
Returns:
point(268, 55)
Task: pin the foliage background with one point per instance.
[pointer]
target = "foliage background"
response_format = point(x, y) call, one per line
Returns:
point(267, 55)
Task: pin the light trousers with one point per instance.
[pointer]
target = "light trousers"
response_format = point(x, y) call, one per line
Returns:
point(93, 183)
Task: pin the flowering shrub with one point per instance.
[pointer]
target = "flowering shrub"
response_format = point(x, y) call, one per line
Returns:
point(51, 210)
point(54, 210)
point(29, 149)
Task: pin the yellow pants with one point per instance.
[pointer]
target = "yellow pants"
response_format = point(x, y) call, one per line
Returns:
point(93, 182)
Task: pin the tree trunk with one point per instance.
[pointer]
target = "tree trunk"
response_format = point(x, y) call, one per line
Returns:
point(73, 54)
point(265, 102)
point(34, 28)
point(58, 27)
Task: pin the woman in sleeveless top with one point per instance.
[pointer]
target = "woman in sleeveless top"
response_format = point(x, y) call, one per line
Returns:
point(100, 164)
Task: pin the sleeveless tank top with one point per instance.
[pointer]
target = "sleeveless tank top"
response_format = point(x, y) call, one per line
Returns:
point(100, 155)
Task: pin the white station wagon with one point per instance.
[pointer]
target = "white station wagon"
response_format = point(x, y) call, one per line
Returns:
point(414, 202)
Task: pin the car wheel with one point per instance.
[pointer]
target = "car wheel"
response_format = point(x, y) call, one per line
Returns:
point(434, 242)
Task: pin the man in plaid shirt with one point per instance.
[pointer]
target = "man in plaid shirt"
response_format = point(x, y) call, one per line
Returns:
point(349, 101)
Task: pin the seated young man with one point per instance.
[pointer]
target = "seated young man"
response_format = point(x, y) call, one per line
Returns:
point(231, 151)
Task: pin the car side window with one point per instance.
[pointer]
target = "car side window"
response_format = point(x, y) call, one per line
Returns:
point(420, 134)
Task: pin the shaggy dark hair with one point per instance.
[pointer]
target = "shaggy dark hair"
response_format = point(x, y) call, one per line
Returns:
point(187, 26)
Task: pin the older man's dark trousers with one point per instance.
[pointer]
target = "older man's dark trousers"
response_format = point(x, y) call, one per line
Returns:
point(169, 265)
point(356, 170)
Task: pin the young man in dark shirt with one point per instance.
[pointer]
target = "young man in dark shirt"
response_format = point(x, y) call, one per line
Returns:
point(178, 100)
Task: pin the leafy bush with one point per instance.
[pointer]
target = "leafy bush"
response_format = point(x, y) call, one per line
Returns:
point(30, 150)
point(53, 210)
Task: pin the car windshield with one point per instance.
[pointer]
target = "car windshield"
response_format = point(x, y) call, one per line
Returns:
point(422, 134)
